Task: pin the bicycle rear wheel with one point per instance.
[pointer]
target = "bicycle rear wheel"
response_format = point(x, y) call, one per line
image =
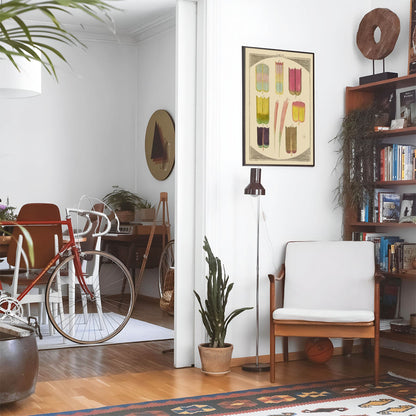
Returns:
point(166, 262)
point(84, 319)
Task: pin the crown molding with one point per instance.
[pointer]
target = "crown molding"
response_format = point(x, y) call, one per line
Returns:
point(128, 36)
point(159, 25)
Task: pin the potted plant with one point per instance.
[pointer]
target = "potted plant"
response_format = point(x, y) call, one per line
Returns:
point(123, 202)
point(145, 211)
point(6, 214)
point(216, 355)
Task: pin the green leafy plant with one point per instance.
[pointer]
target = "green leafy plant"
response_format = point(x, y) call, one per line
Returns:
point(32, 41)
point(357, 155)
point(7, 212)
point(213, 310)
point(122, 200)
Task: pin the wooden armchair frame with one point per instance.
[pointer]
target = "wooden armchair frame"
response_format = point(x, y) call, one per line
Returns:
point(297, 328)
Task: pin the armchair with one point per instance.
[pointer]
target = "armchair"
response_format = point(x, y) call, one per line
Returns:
point(330, 289)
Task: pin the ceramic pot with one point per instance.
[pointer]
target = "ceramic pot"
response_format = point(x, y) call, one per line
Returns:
point(145, 214)
point(19, 364)
point(215, 361)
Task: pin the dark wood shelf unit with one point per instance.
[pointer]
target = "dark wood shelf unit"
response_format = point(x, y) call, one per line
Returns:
point(360, 97)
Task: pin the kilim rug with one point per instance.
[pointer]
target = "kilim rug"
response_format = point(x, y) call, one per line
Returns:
point(349, 397)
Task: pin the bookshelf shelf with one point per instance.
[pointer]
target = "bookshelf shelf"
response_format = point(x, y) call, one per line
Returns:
point(360, 97)
point(408, 338)
point(383, 224)
point(381, 184)
point(408, 131)
point(410, 275)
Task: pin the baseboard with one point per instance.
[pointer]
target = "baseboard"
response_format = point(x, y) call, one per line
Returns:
point(293, 356)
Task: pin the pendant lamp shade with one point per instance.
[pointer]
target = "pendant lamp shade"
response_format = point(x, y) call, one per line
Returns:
point(22, 83)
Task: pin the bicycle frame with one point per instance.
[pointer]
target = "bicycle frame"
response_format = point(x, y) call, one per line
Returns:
point(70, 245)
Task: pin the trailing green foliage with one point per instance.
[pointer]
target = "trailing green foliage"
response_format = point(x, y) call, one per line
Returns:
point(218, 289)
point(357, 154)
point(32, 41)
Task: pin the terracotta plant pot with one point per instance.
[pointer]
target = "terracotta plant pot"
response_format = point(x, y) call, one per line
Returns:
point(215, 361)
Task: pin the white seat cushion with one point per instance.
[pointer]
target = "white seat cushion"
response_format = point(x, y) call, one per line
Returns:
point(323, 315)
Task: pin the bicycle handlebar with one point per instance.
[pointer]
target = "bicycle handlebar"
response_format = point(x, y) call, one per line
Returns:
point(88, 214)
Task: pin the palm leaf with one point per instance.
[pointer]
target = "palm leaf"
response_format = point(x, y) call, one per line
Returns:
point(28, 40)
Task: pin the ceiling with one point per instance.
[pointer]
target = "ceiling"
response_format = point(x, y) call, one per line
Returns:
point(130, 17)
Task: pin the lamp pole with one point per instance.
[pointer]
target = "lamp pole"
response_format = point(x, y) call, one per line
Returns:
point(256, 189)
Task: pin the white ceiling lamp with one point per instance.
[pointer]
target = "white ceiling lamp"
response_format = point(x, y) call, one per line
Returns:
point(22, 83)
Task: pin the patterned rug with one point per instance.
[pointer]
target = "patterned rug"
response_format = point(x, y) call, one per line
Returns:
point(349, 397)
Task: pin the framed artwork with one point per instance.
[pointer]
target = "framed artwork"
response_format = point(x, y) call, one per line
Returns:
point(160, 144)
point(412, 38)
point(278, 107)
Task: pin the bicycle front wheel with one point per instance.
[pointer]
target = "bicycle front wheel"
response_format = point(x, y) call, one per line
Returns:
point(97, 314)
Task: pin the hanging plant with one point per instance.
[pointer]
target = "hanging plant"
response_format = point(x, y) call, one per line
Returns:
point(358, 156)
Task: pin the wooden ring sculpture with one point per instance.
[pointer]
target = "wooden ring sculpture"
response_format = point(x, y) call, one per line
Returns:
point(389, 25)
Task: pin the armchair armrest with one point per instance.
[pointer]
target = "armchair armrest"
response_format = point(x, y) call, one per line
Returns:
point(273, 278)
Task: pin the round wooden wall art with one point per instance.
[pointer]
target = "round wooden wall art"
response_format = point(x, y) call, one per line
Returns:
point(389, 25)
point(160, 144)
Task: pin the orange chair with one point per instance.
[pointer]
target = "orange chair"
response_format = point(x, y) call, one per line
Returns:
point(46, 241)
point(330, 290)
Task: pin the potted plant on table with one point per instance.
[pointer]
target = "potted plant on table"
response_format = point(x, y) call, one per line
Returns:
point(123, 202)
point(216, 354)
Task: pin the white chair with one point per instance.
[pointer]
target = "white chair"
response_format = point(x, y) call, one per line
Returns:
point(330, 289)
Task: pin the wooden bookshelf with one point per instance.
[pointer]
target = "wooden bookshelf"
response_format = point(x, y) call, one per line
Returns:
point(360, 97)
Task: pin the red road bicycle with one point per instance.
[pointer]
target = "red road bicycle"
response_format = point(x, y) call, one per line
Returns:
point(89, 295)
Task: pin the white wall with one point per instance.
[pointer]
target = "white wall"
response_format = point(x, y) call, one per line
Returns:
point(156, 91)
point(78, 136)
point(299, 200)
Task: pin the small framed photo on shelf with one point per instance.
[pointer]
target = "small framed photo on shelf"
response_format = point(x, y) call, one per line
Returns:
point(406, 106)
point(389, 207)
point(408, 208)
point(278, 107)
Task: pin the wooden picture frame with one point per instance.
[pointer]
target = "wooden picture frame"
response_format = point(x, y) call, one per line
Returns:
point(278, 107)
point(412, 38)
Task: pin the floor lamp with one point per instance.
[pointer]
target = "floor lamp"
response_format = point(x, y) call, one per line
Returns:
point(256, 189)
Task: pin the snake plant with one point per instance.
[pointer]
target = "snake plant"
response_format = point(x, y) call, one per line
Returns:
point(218, 289)
point(34, 41)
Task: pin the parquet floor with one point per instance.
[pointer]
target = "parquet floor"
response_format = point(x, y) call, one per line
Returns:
point(89, 377)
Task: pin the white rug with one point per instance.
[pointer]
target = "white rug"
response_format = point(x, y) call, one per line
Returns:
point(134, 331)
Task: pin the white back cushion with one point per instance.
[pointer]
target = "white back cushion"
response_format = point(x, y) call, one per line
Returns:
point(335, 275)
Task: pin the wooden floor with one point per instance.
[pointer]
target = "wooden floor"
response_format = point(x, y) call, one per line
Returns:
point(88, 377)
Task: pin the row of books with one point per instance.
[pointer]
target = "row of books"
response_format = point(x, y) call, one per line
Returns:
point(392, 253)
point(397, 162)
point(389, 206)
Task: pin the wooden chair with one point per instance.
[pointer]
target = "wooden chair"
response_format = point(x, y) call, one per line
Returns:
point(46, 241)
point(330, 289)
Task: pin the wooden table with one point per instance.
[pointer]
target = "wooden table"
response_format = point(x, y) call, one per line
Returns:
point(131, 248)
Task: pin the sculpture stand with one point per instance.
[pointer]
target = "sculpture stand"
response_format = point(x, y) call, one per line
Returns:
point(381, 76)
